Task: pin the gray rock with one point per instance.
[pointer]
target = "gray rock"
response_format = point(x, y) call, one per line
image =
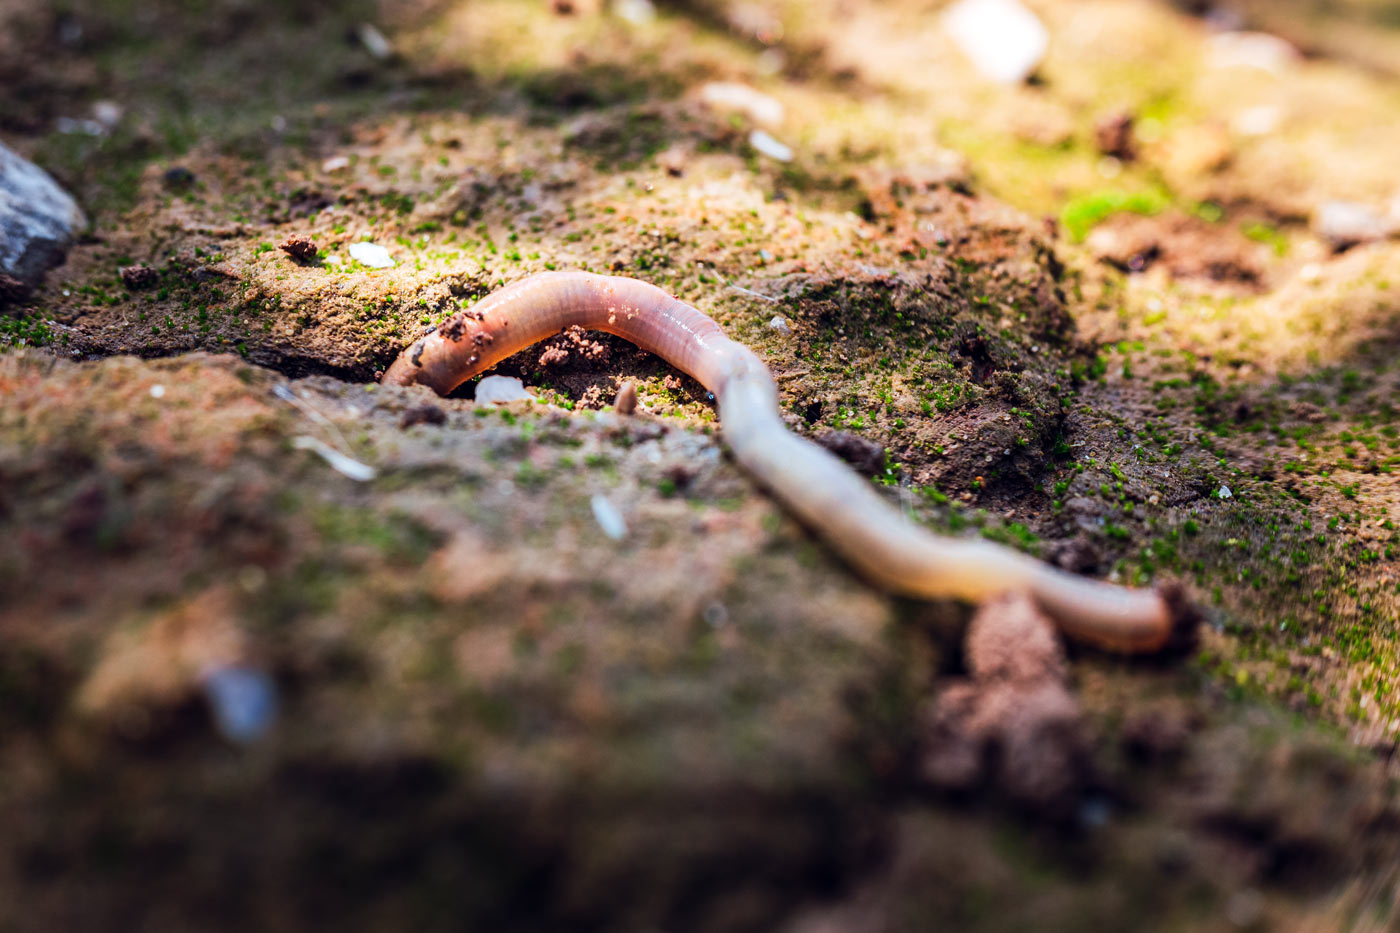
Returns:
point(37, 219)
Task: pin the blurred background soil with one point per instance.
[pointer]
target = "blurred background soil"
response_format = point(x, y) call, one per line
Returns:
point(1111, 316)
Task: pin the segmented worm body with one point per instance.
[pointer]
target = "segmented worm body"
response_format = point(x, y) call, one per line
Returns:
point(827, 496)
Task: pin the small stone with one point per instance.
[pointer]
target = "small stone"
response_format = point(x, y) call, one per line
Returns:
point(780, 324)
point(1252, 50)
point(178, 178)
point(299, 248)
point(138, 277)
point(1346, 223)
point(107, 112)
point(501, 390)
point(1114, 136)
point(767, 145)
point(85, 127)
point(335, 164)
point(636, 12)
point(608, 517)
point(37, 220)
point(372, 255)
point(1004, 41)
point(374, 41)
point(1224, 493)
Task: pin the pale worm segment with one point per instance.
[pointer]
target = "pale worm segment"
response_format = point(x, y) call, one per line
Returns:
point(828, 497)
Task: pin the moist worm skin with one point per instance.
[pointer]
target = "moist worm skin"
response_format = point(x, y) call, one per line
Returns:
point(827, 496)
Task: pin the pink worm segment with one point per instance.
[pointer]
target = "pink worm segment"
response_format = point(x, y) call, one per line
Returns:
point(836, 503)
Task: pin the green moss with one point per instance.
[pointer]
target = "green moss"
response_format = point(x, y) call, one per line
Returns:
point(1083, 213)
point(30, 329)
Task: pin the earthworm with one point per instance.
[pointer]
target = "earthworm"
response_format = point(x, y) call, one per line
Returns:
point(829, 498)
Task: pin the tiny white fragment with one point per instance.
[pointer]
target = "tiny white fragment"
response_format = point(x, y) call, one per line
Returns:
point(636, 12)
point(501, 390)
point(1224, 493)
point(780, 324)
point(1003, 40)
point(371, 254)
point(335, 164)
point(85, 127)
point(157, 391)
point(374, 41)
point(1346, 223)
point(1251, 50)
point(767, 145)
point(346, 466)
point(609, 518)
point(107, 112)
point(733, 96)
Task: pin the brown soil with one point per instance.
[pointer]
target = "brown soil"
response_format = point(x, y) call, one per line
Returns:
point(1139, 363)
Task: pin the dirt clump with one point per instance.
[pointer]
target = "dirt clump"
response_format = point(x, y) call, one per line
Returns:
point(1013, 720)
point(1187, 247)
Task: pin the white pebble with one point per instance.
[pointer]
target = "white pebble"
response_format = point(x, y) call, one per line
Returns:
point(767, 145)
point(335, 164)
point(1225, 493)
point(107, 112)
point(371, 254)
point(1003, 40)
point(780, 324)
point(501, 390)
point(374, 41)
point(731, 95)
point(157, 391)
point(1346, 223)
point(1251, 50)
point(609, 518)
point(636, 12)
point(85, 127)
